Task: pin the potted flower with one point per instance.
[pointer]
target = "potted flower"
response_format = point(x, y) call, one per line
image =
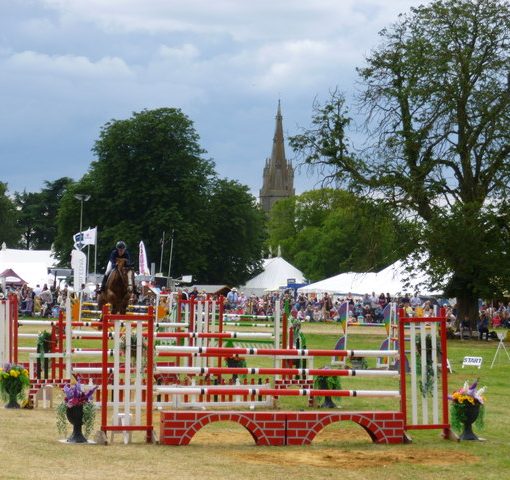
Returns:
point(235, 361)
point(13, 383)
point(79, 409)
point(468, 407)
point(327, 382)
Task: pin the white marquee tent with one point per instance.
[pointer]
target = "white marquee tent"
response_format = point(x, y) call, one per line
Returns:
point(277, 271)
point(391, 280)
point(31, 265)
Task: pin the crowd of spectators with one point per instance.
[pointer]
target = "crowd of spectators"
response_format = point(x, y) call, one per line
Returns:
point(44, 301)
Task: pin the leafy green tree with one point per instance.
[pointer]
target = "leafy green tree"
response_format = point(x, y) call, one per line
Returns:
point(149, 177)
point(436, 92)
point(325, 232)
point(10, 232)
point(237, 231)
point(38, 212)
point(29, 206)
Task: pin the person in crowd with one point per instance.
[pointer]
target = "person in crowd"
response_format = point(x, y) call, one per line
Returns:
point(368, 316)
point(483, 326)
point(428, 311)
point(37, 289)
point(358, 309)
point(120, 251)
point(309, 312)
point(232, 299)
point(327, 305)
point(465, 325)
point(382, 300)
point(374, 300)
point(242, 301)
point(406, 301)
point(366, 299)
point(349, 298)
point(46, 301)
point(415, 301)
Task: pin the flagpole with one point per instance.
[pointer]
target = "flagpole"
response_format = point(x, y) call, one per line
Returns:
point(168, 283)
point(161, 257)
point(95, 258)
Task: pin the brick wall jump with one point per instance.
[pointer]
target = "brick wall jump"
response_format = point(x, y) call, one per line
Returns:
point(280, 428)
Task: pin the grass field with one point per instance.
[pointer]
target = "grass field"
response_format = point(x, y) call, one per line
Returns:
point(30, 447)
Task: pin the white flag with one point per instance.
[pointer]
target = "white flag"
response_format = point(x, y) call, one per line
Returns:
point(88, 237)
point(142, 260)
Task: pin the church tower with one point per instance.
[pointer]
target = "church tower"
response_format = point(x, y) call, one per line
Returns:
point(278, 177)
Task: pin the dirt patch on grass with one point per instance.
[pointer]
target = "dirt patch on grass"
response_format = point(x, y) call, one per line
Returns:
point(352, 458)
point(357, 459)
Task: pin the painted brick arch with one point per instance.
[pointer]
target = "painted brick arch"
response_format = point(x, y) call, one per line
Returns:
point(281, 428)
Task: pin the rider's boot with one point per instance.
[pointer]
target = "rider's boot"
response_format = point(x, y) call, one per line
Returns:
point(103, 283)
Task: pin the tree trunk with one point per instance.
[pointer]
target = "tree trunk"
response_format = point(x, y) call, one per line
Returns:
point(467, 306)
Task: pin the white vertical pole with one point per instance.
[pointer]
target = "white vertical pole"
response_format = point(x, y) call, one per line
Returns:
point(277, 327)
point(68, 328)
point(423, 337)
point(95, 259)
point(116, 371)
point(127, 372)
point(138, 373)
point(4, 331)
point(414, 390)
point(435, 398)
point(187, 316)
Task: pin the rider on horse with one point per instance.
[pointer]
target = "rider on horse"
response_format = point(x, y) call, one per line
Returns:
point(119, 251)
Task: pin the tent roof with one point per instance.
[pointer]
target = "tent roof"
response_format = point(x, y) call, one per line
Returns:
point(31, 265)
point(276, 273)
point(390, 280)
point(11, 277)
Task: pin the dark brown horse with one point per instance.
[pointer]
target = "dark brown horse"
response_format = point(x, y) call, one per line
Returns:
point(119, 286)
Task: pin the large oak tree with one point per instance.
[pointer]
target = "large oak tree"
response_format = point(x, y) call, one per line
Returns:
point(151, 177)
point(436, 96)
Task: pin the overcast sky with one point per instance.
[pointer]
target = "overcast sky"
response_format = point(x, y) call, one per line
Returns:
point(69, 66)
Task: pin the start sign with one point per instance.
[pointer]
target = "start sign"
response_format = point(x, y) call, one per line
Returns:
point(472, 362)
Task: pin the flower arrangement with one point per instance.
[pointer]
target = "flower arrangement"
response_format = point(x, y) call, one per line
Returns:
point(463, 400)
point(43, 342)
point(14, 381)
point(327, 382)
point(43, 346)
point(75, 396)
point(235, 361)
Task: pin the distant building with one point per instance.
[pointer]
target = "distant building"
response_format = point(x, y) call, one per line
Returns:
point(278, 177)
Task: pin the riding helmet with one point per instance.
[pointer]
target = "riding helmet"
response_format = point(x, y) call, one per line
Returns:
point(120, 244)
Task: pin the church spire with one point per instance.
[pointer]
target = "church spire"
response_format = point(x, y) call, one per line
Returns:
point(278, 152)
point(278, 177)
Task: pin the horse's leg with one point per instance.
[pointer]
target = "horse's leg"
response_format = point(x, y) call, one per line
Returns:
point(123, 304)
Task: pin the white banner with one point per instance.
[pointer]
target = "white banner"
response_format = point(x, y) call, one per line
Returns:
point(88, 237)
point(142, 260)
point(79, 266)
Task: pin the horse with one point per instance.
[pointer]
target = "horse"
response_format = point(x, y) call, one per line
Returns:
point(118, 289)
